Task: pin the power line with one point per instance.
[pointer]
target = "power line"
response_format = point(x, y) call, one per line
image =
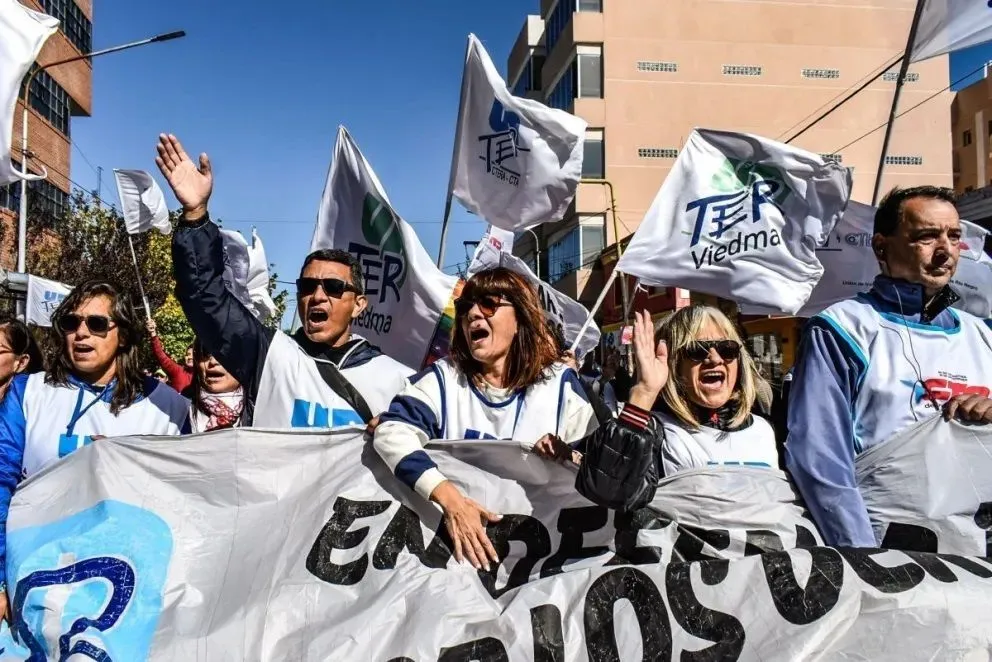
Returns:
point(911, 109)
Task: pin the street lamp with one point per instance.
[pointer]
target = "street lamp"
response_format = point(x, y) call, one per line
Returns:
point(22, 223)
point(537, 253)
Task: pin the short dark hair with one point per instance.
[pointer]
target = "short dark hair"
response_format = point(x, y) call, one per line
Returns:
point(889, 212)
point(341, 257)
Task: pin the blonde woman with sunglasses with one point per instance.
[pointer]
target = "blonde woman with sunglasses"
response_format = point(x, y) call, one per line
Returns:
point(94, 388)
point(691, 407)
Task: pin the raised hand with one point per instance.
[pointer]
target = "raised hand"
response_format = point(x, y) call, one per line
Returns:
point(191, 185)
point(651, 360)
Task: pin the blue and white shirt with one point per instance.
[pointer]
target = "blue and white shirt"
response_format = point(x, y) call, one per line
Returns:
point(41, 423)
point(441, 403)
point(751, 445)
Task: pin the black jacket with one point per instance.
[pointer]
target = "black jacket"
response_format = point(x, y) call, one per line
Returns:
point(225, 328)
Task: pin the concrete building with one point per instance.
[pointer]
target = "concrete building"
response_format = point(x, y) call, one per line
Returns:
point(55, 97)
point(971, 128)
point(643, 74)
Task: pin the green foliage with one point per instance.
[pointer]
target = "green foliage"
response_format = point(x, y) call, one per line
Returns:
point(280, 299)
point(173, 329)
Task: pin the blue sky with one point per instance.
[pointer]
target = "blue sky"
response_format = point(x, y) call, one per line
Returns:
point(262, 87)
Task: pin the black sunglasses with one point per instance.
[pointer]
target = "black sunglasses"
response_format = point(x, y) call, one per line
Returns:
point(333, 287)
point(98, 324)
point(488, 305)
point(698, 351)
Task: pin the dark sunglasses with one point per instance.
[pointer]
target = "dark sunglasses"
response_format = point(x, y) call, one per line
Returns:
point(488, 305)
point(333, 287)
point(98, 324)
point(698, 351)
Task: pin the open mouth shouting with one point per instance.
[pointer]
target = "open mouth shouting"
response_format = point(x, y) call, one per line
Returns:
point(712, 380)
point(317, 318)
point(82, 351)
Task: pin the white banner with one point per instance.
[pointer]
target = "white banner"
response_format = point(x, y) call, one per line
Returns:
point(43, 297)
point(739, 217)
point(246, 274)
point(495, 239)
point(850, 266)
point(564, 313)
point(258, 278)
point(517, 162)
point(256, 545)
point(142, 202)
point(407, 294)
point(24, 33)
point(929, 489)
point(951, 25)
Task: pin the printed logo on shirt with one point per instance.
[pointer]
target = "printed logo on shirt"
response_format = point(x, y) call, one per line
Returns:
point(70, 443)
point(945, 387)
point(88, 585)
point(308, 414)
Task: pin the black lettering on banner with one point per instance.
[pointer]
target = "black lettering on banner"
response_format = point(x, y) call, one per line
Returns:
point(628, 524)
point(549, 642)
point(404, 532)
point(572, 523)
point(726, 631)
point(525, 529)
point(487, 649)
point(761, 542)
point(804, 538)
point(909, 538)
point(794, 603)
point(401, 659)
point(335, 535)
point(689, 545)
point(887, 580)
point(933, 566)
point(983, 519)
point(625, 583)
point(971, 565)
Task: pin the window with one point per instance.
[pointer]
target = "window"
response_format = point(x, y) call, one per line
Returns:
point(554, 24)
point(904, 160)
point(77, 28)
point(657, 152)
point(530, 76)
point(821, 73)
point(833, 157)
point(50, 100)
point(591, 5)
point(741, 70)
point(891, 76)
point(582, 78)
point(661, 67)
point(578, 248)
point(593, 155)
point(43, 196)
point(966, 139)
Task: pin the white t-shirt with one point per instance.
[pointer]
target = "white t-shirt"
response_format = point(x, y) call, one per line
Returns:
point(751, 446)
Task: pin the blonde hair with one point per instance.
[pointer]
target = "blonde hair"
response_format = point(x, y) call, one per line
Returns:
point(682, 329)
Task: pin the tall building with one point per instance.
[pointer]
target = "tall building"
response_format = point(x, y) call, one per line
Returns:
point(644, 73)
point(56, 95)
point(971, 130)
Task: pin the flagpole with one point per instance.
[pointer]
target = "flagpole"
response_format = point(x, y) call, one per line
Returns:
point(595, 309)
point(454, 156)
point(903, 69)
point(141, 287)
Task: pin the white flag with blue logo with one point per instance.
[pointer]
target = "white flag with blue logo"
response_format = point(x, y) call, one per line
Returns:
point(406, 292)
point(517, 162)
point(43, 297)
point(23, 32)
point(740, 217)
point(951, 25)
point(142, 202)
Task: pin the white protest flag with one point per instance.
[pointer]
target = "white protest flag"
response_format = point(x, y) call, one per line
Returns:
point(951, 25)
point(517, 162)
point(565, 314)
point(973, 283)
point(236, 266)
point(740, 217)
point(495, 239)
point(43, 297)
point(142, 202)
point(407, 294)
point(260, 545)
point(23, 32)
point(258, 278)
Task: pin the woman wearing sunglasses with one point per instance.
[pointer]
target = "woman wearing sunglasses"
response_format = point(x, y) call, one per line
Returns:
point(691, 407)
point(217, 400)
point(501, 380)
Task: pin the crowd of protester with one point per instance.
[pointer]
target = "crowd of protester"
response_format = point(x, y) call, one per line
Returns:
point(692, 396)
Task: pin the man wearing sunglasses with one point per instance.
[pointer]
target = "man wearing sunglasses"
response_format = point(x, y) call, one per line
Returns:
point(873, 366)
point(322, 376)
